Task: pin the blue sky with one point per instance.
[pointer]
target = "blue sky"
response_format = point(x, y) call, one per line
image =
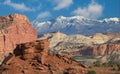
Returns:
point(49, 9)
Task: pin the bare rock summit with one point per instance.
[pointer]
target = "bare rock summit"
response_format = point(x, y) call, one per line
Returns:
point(14, 29)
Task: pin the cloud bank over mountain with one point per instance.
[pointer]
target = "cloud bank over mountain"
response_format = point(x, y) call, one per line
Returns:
point(93, 10)
point(34, 9)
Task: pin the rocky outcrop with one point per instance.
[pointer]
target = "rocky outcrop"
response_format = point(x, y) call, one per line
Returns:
point(14, 29)
point(96, 50)
point(109, 48)
point(97, 44)
point(32, 50)
point(100, 38)
point(34, 58)
point(104, 49)
point(71, 43)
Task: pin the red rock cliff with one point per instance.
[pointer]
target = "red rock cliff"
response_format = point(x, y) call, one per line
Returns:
point(102, 49)
point(106, 49)
point(15, 29)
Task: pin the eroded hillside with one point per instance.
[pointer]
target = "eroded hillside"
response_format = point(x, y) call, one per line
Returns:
point(34, 58)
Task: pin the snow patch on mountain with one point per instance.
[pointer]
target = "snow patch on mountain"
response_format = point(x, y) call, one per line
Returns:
point(78, 25)
point(115, 19)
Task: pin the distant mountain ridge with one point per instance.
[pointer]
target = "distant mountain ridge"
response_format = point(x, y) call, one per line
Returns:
point(78, 25)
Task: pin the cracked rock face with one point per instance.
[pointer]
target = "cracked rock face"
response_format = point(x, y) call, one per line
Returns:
point(14, 29)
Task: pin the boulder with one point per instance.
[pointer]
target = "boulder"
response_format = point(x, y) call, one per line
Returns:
point(14, 29)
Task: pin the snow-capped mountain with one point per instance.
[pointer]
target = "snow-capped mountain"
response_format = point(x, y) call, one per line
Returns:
point(78, 25)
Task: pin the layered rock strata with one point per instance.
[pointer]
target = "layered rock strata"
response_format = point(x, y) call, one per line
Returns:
point(34, 58)
point(14, 29)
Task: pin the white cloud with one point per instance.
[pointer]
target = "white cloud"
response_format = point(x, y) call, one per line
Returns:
point(20, 7)
point(44, 15)
point(60, 4)
point(93, 10)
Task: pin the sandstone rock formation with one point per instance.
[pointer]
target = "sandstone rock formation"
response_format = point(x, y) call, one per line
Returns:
point(14, 29)
point(34, 58)
point(98, 44)
point(90, 48)
point(35, 49)
point(99, 50)
point(100, 38)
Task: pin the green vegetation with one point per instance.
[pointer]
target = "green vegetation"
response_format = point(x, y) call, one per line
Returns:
point(114, 65)
point(91, 72)
point(118, 65)
point(110, 64)
point(97, 64)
